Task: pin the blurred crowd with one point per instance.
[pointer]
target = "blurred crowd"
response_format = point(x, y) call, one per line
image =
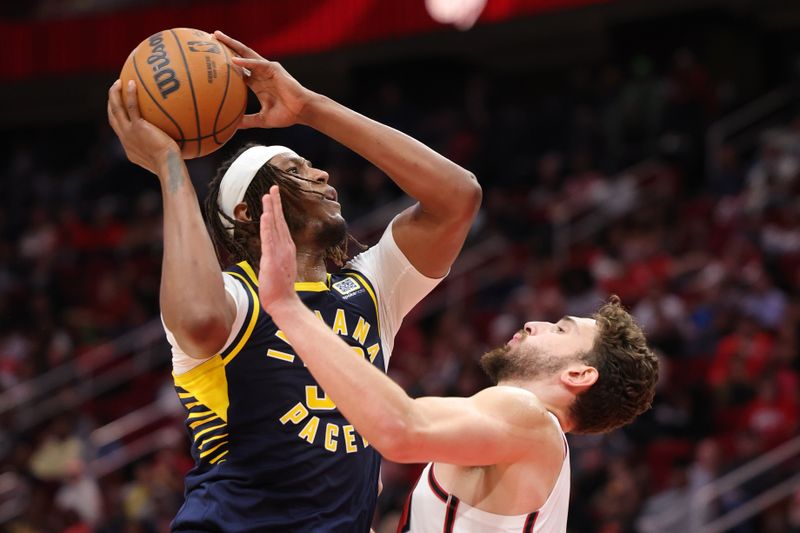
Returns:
point(704, 253)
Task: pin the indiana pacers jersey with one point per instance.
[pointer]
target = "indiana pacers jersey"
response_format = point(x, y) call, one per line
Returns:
point(431, 509)
point(272, 452)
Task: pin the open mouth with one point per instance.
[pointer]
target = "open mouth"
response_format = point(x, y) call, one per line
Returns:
point(518, 337)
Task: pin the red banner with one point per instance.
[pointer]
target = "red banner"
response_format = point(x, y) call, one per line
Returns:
point(274, 28)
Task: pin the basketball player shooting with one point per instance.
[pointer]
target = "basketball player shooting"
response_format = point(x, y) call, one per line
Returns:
point(499, 461)
point(272, 451)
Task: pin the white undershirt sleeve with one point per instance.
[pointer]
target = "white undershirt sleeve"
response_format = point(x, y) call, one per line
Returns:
point(181, 362)
point(398, 285)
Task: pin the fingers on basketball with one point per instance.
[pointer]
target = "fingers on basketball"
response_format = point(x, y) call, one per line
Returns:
point(112, 119)
point(265, 68)
point(116, 114)
point(237, 46)
point(132, 103)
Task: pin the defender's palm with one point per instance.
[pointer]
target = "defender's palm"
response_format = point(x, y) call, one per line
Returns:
point(278, 266)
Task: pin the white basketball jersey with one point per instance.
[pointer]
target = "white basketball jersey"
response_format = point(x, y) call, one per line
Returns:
point(431, 509)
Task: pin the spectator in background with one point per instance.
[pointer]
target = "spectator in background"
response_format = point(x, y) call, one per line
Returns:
point(727, 174)
point(773, 175)
point(765, 302)
point(641, 104)
point(655, 518)
point(747, 348)
point(771, 415)
point(79, 493)
point(662, 315)
point(780, 234)
point(58, 453)
point(581, 293)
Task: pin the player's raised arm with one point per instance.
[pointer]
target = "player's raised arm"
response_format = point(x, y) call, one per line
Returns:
point(431, 233)
point(194, 303)
point(501, 424)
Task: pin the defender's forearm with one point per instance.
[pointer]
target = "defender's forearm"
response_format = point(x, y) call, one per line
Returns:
point(378, 408)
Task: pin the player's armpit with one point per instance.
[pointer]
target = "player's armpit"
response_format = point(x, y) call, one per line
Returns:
point(497, 425)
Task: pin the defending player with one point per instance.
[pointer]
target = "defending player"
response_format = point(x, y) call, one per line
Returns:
point(272, 451)
point(500, 461)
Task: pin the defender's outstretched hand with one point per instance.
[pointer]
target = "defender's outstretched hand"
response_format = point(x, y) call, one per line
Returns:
point(278, 268)
point(144, 144)
point(282, 97)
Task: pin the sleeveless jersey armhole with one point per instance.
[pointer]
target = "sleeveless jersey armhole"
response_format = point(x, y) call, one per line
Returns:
point(181, 362)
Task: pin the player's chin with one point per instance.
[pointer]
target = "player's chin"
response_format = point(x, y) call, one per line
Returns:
point(332, 231)
point(337, 220)
point(332, 212)
point(333, 207)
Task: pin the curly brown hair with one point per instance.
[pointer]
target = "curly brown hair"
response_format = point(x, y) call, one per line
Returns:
point(627, 368)
point(243, 245)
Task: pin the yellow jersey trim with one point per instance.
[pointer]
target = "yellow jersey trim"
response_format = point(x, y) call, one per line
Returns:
point(250, 326)
point(206, 430)
point(218, 457)
point(197, 423)
point(302, 286)
point(310, 286)
point(371, 295)
point(244, 265)
point(210, 439)
point(207, 384)
point(193, 373)
point(211, 450)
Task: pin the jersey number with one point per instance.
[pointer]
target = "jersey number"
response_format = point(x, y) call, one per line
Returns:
point(313, 400)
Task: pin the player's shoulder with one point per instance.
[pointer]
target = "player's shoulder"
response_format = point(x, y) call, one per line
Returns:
point(510, 396)
point(519, 407)
point(367, 256)
point(369, 264)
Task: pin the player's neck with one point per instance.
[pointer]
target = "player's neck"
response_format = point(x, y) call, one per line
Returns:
point(311, 264)
point(553, 398)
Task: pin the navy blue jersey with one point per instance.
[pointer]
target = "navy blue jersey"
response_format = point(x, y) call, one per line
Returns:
point(272, 453)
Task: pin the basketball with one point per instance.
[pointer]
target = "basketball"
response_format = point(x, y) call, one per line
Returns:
point(188, 87)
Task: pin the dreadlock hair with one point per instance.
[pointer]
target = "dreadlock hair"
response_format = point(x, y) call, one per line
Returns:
point(243, 245)
point(627, 368)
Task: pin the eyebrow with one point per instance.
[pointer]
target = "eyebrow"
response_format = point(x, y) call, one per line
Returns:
point(296, 160)
point(569, 319)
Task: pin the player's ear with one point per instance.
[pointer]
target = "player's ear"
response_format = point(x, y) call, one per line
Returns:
point(579, 377)
point(240, 212)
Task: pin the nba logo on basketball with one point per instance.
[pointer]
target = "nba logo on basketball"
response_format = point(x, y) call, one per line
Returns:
point(203, 46)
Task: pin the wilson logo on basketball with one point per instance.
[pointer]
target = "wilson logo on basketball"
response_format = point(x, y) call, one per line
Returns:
point(164, 76)
point(203, 46)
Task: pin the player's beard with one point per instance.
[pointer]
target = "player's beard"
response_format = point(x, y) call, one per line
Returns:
point(329, 232)
point(332, 233)
point(515, 362)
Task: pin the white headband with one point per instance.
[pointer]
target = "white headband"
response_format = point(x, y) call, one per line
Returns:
point(239, 176)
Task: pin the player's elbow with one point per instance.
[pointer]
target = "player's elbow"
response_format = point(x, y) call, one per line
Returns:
point(468, 197)
point(201, 334)
point(397, 447)
point(398, 440)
